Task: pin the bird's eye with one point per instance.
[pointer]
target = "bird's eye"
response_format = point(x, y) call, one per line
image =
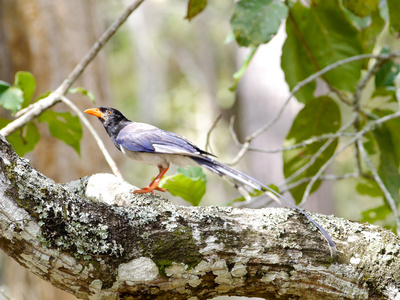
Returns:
point(108, 112)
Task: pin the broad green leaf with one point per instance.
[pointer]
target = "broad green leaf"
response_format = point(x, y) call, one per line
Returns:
point(319, 116)
point(195, 7)
point(361, 8)
point(188, 183)
point(394, 13)
point(387, 73)
point(11, 97)
point(64, 126)
point(388, 167)
point(24, 139)
point(256, 22)
point(27, 83)
point(82, 91)
point(318, 36)
point(193, 172)
point(369, 187)
point(375, 214)
point(393, 128)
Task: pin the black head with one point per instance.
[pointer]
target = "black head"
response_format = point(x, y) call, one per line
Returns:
point(113, 120)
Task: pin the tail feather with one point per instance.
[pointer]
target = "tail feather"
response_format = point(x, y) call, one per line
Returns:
point(245, 184)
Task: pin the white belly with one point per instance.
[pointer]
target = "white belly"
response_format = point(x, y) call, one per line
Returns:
point(156, 159)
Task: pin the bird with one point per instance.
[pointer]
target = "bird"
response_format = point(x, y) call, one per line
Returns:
point(153, 146)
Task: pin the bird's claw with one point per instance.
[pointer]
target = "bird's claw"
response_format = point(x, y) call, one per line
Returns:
point(149, 189)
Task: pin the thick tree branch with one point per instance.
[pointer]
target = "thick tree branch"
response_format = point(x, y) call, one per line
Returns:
point(96, 240)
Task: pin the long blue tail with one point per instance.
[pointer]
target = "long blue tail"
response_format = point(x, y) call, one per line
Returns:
point(246, 184)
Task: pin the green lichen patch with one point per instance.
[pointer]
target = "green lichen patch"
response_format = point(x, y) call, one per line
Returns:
point(167, 248)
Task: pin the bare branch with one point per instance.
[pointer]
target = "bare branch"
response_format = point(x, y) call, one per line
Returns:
point(102, 147)
point(370, 126)
point(208, 145)
point(301, 84)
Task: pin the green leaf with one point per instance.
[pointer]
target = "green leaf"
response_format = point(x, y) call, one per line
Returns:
point(27, 83)
point(24, 139)
point(255, 22)
point(195, 7)
point(394, 13)
point(361, 8)
point(375, 214)
point(188, 183)
point(369, 187)
point(387, 73)
point(11, 97)
point(318, 36)
point(389, 162)
point(82, 91)
point(319, 116)
point(64, 126)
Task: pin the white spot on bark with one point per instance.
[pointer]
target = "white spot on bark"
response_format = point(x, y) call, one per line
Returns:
point(140, 269)
point(355, 260)
point(107, 188)
point(211, 246)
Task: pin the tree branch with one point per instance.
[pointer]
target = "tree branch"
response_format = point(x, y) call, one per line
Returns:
point(96, 240)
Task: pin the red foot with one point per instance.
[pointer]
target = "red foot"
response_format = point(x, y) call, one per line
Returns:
point(149, 189)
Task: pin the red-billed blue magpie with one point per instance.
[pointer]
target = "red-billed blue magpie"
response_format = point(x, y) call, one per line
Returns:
point(151, 145)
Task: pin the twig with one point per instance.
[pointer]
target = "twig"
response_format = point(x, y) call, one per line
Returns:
point(358, 135)
point(293, 185)
point(304, 143)
point(356, 103)
point(208, 146)
point(318, 153)
point(382, 186)
point(93, 132)
point(37, 108)
point(301, 84)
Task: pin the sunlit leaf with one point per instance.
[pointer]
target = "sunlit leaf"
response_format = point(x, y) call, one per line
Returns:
point(11, 97)
point(319, 116)
point(64, 126)
point(195, 7)
point(27, 83)
point(188, 183)
point(24, 139)
point(256, 22)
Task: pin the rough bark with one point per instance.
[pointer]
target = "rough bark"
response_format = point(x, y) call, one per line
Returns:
point(93, 238)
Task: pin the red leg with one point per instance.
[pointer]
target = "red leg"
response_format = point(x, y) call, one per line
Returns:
point(154, 184)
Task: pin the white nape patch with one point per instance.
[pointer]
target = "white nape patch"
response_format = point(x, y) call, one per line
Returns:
point(140, 269)
point(105, 188)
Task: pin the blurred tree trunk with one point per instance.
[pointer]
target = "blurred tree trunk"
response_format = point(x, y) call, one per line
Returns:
point(48, 38)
